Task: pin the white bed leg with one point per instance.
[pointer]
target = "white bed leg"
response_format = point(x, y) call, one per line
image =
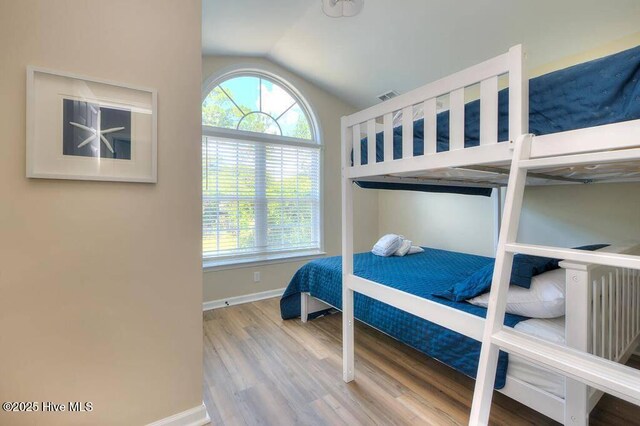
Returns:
point(349, 138)
point(310, 305)
point(576, 403)
point(576, 407)
point(348, 354)
point(304, 307)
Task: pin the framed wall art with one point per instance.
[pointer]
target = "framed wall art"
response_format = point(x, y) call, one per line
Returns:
point(89, 129)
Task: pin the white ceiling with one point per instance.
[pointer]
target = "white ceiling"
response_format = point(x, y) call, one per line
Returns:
point(403, 44)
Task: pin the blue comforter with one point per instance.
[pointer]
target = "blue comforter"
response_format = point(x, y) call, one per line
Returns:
point(419, 274)
point(594, 93)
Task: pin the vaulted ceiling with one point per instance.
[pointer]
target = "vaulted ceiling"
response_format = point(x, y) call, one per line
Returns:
point(403, 44)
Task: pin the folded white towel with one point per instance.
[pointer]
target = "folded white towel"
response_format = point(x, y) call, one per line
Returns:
point(404, 248)
point(394, 245)
point(387, 245)
point(415, 249)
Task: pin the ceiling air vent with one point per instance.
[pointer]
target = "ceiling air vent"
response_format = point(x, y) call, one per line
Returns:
point(388, 95)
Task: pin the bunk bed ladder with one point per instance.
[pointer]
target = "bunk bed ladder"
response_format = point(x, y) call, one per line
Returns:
point(580, 368)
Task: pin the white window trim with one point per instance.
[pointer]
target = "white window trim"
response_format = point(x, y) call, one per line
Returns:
point(221, 263)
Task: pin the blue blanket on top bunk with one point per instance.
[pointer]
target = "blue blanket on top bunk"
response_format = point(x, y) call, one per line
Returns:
point(420, 274)
point(594, 93)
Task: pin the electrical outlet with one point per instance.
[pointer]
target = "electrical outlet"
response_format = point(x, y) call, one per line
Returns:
point(256, 277)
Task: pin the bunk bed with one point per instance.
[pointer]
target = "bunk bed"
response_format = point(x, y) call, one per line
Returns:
point(469, 148)
point(317, 287)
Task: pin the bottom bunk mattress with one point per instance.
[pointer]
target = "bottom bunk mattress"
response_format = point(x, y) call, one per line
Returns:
point(552, 330)
point(421, 274)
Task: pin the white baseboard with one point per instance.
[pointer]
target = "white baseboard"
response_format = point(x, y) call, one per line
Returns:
point(196, 416)
point(246, 298)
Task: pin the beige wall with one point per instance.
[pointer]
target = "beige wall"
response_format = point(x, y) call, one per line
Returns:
point(101, 282)
point(447, 221)
point(239, 281)
point(563, 215)
point(574, 215)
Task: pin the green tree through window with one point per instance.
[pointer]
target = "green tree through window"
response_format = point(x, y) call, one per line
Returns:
point(255, 104)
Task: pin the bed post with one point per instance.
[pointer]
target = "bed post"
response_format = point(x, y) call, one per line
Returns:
point(347, 257)
point(576, 407)
point(496, 197)
point(304, 307)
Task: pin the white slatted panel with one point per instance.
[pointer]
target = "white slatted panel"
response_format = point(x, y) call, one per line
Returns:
point(634, 305)
point(628, 300)
point(625, 302)
point(605, 319)
point(631, 295)
point(621, 312)
point(489, 111)
point(627, 307)
point(388, 137)
point(636, 310)
point(632, 302)
point(615, 320)
point(357, 158)
point(407, 132)
point(611, 316)
point(470, 76)
point(430, 126)
point(617, 314)
point(456, 120)
point(632, 298)
point(371, 142)
point(603, 326)
point(596, 317)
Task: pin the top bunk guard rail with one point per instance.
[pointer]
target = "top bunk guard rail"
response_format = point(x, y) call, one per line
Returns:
point(486, 75)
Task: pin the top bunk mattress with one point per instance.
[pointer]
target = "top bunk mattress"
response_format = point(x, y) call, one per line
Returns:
point(594, 93)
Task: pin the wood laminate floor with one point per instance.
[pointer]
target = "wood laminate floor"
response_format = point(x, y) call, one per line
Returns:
point(262, 370)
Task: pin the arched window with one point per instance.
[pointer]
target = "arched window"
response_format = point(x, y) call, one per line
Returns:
point(261, 171)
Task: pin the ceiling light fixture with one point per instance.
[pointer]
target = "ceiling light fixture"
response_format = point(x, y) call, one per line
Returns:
point(340, 8)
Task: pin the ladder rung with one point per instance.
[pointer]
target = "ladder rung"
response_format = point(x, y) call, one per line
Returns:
point(599, 258)
point(608, 376)
point(580, 159)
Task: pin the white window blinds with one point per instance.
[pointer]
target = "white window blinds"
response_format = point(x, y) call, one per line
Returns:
point(259, 198)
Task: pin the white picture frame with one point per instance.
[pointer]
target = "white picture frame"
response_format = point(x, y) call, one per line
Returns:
point(65, 139)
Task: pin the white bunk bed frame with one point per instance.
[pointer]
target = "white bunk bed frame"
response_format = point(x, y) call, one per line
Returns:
point(610, 328)
point(603, 302)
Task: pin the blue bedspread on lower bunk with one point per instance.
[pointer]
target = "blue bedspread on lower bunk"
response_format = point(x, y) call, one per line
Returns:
point(419, 274)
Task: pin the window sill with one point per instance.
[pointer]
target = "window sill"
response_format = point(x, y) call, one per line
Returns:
point(210, 265)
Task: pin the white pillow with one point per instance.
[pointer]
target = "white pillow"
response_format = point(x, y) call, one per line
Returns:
point(544, 299)
point(404, 248)
point(415, 249)
point(552, 330)
point(387, 245)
